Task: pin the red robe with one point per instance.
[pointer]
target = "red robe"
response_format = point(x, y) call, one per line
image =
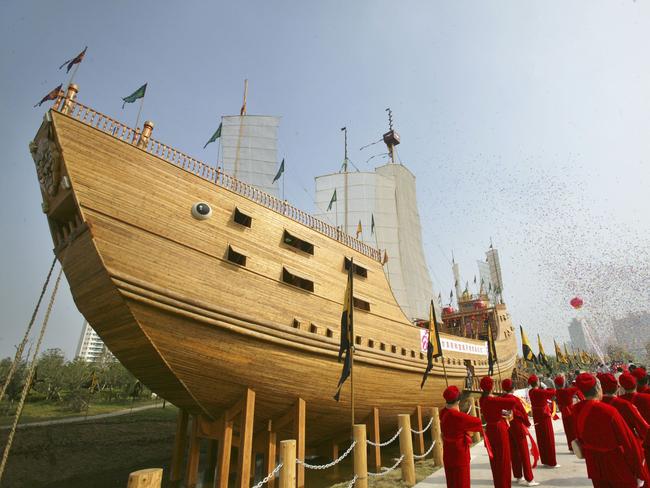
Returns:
point(565, 404)
point(543, 424)
point(497, 434)
point(454, 426)
point(630, 414)
point(643, 389)
point(611, 451)
point(642, 402)
point(519, 435)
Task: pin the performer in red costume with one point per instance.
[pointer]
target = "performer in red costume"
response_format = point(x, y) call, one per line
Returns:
point(641, 380)
point(627, 409)
point(495, 411)
point(539, 400)
point(613, 456)
point(641, 401)
point(454, 426)
point(565, 399)
point(518, 434)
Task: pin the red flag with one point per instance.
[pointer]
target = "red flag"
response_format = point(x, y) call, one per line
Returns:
point(77, 59)
point(50, 96)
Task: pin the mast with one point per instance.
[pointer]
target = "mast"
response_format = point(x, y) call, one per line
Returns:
point(345, 178)
point(391, 138)
point(242, 113)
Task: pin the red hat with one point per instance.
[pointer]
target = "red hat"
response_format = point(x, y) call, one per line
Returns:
point(608, 382)
point(451, 394)
point(506, 385)
point(533, 379)
point(559, 381)
point(486, 383)
point(585, 382)
point(627, 381)
point(639, 373)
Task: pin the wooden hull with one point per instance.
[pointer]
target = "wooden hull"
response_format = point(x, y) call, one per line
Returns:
point(197, 329)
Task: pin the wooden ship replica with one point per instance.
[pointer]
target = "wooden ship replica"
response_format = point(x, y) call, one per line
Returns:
point(226, 301)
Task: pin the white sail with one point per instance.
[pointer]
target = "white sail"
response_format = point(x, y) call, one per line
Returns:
point(249, 146)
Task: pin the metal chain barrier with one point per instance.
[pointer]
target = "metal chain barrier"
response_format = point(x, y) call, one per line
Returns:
point(269, 476)
point(422, 456)
point(423, 430)
point(328, 465)
point(383, 444)
point(388, 470)
point(352, 481)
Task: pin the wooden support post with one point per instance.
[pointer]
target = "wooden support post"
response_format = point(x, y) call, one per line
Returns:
point(246, 440)
point(288, 460)
point(406, 449)
point(436, 435)
point(360, 453)
point(209, 474)
point(420, 436)
point(473, 412)
point(223, 458)
point(335, 455)
point(175, 472)
point(146, 478)
point(299, 419)
point(193, 453)
point(376, 438)
point(269, 455)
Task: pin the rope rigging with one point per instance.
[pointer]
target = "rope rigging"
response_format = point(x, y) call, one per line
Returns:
point(30, 373)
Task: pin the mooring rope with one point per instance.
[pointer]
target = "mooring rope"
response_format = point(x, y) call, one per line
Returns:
point(30, 376)
point(21, 347)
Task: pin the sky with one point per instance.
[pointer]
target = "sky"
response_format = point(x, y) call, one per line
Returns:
point(524, 122)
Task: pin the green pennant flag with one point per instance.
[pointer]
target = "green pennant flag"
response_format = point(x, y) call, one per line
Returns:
point(216, 136)
point(136, 95)
point(279, 173)
point(372, 224)
point(333, 199)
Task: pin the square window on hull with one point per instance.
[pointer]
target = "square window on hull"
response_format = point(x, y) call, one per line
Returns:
point(300, 244)
point(298, 281)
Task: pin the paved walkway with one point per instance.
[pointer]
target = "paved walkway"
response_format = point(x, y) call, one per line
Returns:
point(70, 420)
point(572, 472)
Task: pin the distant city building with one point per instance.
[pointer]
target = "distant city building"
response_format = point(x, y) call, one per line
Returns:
point(633, 332)
point(577, 334)
point(91, 347)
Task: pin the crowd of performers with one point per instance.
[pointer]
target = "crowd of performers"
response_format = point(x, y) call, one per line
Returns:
point(606, 417)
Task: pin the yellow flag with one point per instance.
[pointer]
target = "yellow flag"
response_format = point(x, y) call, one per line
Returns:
point(359, 229)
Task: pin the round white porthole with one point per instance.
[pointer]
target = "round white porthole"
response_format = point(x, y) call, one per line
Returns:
point(201, 211)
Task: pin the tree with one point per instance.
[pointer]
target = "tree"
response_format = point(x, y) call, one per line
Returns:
point(618, 353)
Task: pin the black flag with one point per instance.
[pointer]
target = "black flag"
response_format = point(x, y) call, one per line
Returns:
point(492, 350)
point(347, 331)
point(434, 350)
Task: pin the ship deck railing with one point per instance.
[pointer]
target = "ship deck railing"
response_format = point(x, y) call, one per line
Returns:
point(122, 132)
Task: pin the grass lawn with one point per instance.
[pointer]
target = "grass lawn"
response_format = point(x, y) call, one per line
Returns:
point(39, 411)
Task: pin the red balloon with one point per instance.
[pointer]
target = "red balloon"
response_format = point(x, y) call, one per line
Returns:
point(576, 302)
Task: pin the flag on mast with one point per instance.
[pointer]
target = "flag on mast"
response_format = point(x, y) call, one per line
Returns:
point(347, 330)
point(136, 95)
point(280, 171)
point(372, 224)
point(567, 356)
point(76, 60)
point(434, 349)
point(359, 229)
point(542, 355)
point(332, 200)
point(385, 259)
point(558, 353)
point(526, 349)
point(217, 135)
point(492, 350)
point(50, 96)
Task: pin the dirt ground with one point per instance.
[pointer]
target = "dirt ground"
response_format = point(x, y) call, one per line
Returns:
point(98, 453)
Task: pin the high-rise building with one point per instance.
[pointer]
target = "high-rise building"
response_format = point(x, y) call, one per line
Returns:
point(577, 334)
point(386, 198)
point(633, 333)
point(91, 347)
